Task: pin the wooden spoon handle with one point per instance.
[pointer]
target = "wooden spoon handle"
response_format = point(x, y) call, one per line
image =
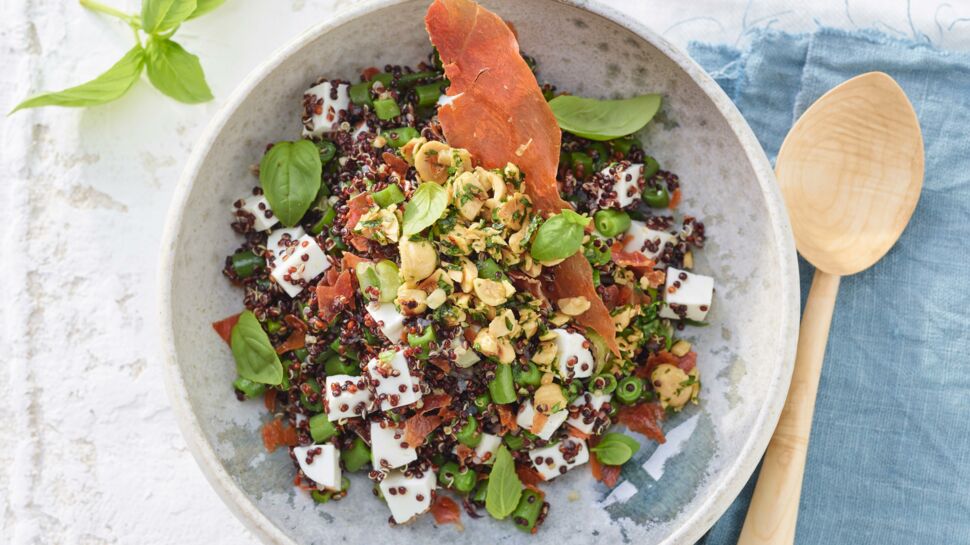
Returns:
point(774, 508)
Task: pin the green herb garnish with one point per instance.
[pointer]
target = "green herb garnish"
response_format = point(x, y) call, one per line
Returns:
point(504, 486)
point(290, 175)
point(604, 119)
point(256, 360)
point(560, 236)
point(615, 449)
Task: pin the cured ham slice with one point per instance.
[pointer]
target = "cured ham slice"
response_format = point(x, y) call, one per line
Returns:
point(498, 113)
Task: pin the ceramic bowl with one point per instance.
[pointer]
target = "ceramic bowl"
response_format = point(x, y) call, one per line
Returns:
point(669, 494)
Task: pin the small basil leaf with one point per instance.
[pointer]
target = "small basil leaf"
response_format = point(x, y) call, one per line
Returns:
point(290, 176)
point(205, 6)
point(604, 119)
point(256, 360)
point(504, 487)
point(615, 449)
point(110, 85)
point(425, 207)
point(161, 15)
point(560, 236)
point(176, 72)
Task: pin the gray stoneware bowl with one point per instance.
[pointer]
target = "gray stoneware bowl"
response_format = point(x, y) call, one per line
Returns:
point(669, 495)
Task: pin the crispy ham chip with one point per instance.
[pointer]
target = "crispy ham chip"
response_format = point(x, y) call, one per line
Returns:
point(501, 116)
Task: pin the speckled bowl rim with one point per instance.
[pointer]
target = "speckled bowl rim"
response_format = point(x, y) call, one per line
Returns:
point(693, 526)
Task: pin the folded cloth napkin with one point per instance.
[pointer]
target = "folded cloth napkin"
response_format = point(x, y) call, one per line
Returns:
point(889, 461)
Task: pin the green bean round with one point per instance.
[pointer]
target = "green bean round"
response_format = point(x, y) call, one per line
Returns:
point(611, 223)
point(469, 435)
point(629, 389)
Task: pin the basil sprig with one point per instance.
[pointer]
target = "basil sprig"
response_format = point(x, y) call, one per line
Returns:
point(290, 175)
point(171, 69)
point(256, 360)
point(504, 487)
point(615, 449)
point(604, 119)
point(425, 207)
point(560, 236)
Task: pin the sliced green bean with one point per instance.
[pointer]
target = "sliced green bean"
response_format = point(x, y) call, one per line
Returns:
point(245, 263)
point(429, 94)
point(466, 480)
point(386, 108)
point(582, 164)
point(657, 196)
point(336, 365)
point(528, 375)
point(604, 384)
point(388, 278)
point(629, 389)
point(407, 80)
point(321, 428)
point(482, 401)
point(249, 388)
point(360, 93)
point(422, 341)
point(391, 194)
point(305, 399)
point(527, 512)
point(514, 442)
point(357, 456)
point(400, 136)
point(502, 387)
point(327, 151)
point(469, 435)
point(447, 473)
point(650, 167)
point(611, 223)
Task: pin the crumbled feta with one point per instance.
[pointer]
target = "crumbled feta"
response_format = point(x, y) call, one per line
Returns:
point(687, 295)
point(575, 358)
point(325, 111)
point(301, 263)
point(551, 461)
point(625, 182)
point(347, 397)
point(527, 413)
point(388, 448)
point(324, 469)
point(275, 241)
point(407, 496)
point(389, 320)
point(646, 240)
point(259, 208)
point(392, 380)
point(592, 402)
point(486, 449)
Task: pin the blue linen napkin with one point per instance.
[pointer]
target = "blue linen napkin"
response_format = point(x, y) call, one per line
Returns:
point(889, 460)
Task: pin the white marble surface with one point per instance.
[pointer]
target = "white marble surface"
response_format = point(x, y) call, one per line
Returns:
point(89, 449)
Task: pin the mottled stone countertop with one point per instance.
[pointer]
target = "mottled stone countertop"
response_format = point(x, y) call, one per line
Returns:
point(89, 449)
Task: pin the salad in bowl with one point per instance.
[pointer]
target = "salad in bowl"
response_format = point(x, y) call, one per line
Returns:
point(463, 283)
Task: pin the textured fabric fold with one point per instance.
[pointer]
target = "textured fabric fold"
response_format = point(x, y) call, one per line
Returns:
point(889, 460)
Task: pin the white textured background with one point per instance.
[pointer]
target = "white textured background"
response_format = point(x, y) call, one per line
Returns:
point(89, 448)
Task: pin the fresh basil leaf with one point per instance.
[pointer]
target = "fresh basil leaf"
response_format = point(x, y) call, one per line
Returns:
point(290, 175)
point(425, 207)
point(256, 360)
point(176, 72)
point(604, 119)
point(615, 449)
point(560, 236)
point(110, 85)
point(504, 487)
point(205, 6)
point(162, 15)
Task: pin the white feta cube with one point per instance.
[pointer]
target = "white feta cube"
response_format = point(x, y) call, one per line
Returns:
point(687, 295)
point(389, 320)
point(527, 414)
point(281, 239)
point(258, 207)
point(587, 406)
point(348, 397)
point(327, 105)
point(625, 182)
point(392, 380)
point(408, 496)
point(554, 460)
point(321, 463)
point(573, 354)
point(300, 264)
point(486, 449)
point(388, 448)
point(649, 242)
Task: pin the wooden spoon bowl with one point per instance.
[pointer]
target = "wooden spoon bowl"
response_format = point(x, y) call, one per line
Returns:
point(850, 171)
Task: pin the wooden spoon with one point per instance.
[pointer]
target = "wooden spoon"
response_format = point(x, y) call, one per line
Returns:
point(851, 171)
